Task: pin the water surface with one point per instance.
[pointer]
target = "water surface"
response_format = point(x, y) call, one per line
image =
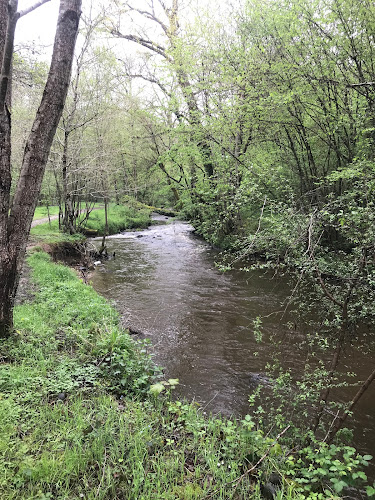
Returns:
point(165, 284)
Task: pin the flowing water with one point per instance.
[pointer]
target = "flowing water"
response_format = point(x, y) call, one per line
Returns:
point(165, 284)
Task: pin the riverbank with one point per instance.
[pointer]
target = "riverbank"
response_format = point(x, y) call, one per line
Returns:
point(82, 417)
point(85, 414)
point(78, 417)
point(120, 218)
point(45, 233)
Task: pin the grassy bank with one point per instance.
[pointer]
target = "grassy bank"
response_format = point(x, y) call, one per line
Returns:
point(120, 218)
point(77, 418)
point(81, 416)
point(50, 233)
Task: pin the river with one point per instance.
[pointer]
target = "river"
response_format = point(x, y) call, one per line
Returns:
point(164, 282)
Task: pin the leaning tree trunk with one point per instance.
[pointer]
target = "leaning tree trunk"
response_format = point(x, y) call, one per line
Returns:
point(341, 420)
point(15, 220)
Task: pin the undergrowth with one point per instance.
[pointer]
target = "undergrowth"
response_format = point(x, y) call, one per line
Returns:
point(84, 414)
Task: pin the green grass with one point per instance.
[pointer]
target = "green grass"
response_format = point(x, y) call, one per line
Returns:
point(50, 233)
point(93, 444)
point(80, 418)
point(42, 212)
point(120, 218)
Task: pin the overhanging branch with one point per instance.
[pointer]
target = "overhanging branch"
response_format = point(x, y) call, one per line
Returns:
point(363, 84)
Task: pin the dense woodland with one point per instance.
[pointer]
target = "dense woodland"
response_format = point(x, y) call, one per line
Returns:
point(255, 121)
point(256, 124)
point(267, 105)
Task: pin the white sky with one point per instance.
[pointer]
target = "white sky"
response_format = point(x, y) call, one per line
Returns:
point(38, 26)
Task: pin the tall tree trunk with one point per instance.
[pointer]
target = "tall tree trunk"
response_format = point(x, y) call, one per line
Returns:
point(69, 217)
point(174, 58)
point(15, 226)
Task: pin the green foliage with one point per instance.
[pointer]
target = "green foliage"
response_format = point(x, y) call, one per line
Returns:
point(120, 218)
point(284, 118)
point(49, 233)
point(125, 366)
point(159, 387)
point(326, 469)
point(41, 212)
point(370, 490)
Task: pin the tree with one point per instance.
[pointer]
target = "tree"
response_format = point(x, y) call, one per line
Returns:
point(82, 107)
point(166, 19)
point(16, 215)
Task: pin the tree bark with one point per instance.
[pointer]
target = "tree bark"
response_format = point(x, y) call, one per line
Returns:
point(15, 225)
point(3, 26)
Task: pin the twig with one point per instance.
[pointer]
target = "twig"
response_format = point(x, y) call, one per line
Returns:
point(310, 234)
point(249, 471)
point(33, 7)
point(363, 84)
point(348, 410)
point(326, 292)
point(210, 401)
point(330, 427)
point(248, 250)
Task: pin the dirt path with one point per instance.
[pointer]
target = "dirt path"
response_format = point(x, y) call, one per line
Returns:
point(42, 221)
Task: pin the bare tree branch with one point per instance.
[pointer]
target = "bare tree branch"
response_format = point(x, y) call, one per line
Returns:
point(149, 15)
point(364, 84)
point(151, 80)
point(145, 43)
point(164, 6)
point(340, 421)
point(33, 7)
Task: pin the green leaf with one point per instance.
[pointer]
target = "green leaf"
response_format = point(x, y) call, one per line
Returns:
point(360, 474)
point(173, 381)
point(339, 486)
point(157, 389)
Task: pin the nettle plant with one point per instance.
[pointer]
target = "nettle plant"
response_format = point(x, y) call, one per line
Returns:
point(125, 367)
point(321, 470)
